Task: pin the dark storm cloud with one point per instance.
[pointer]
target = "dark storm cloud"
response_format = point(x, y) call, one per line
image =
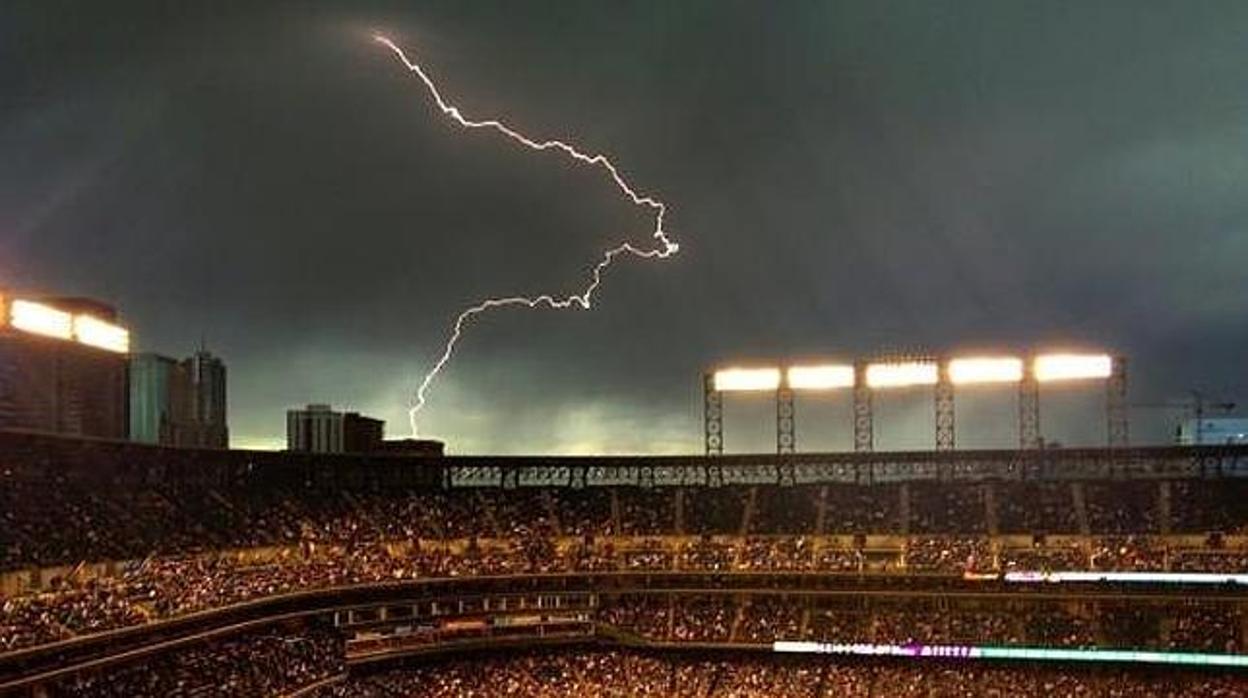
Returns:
point(844, 178)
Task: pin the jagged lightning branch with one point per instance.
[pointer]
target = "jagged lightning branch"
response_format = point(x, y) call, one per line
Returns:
point(665, 248)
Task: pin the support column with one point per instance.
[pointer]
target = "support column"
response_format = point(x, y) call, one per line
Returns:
point(1029, 408)
point(712, 416)
point(1117, 426)
point(786, 424)
point(944, 409)
point(864, 437)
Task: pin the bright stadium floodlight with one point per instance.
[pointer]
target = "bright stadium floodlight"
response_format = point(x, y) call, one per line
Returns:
point(94, 332)
point(902, 374)
point(820, 377)
point(747, 379)
point(38, 318)
point(1057, 367)
point(985, 370)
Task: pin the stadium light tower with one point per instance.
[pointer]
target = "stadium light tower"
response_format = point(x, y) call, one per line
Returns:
point(889, 374)
point(825, 377)
point(973, 370)
point(1057, 368)
point(944, 375)
point(811, 378)
point(735, 380)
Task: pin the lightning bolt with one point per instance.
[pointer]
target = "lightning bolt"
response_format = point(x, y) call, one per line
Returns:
point(664, 247)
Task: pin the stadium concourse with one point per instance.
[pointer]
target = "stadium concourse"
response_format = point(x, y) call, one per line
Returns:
point(133, 570)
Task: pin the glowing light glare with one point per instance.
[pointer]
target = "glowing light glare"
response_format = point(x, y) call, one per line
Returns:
point(978, 652)
point(747, 379)
point(900, 375)
point(664, 247)
point(38, 318)
point(820, 377)
point(1056, 367)
point(94, 332)
point(1127, 577)
point(985, 370)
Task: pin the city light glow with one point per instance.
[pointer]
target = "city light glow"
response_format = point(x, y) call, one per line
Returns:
point(1057, 367)
point(41, 319)
point(900, 375)
point(985, 370)
point(827, 377)
point(94, 332)
point(747, 379)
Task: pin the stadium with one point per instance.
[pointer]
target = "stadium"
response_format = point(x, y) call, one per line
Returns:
point(140, 570)
point(584, 254)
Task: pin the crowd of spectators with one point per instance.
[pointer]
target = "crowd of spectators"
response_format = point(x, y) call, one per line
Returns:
point(1128, 554)
point(179, 547)
point(63, 523)
point(163, 587)
point(269, 663)
point(762, 618)
point(766, 618)
point(1123, 508)
point(91, 606)
point(939, 509)
point(1044, 557)
point(947, 554)
point(639, 675)
point(1037, 508)
point(1207, 628)
point(702, 618)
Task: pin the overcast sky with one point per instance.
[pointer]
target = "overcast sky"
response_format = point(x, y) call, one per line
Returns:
point(845, 178)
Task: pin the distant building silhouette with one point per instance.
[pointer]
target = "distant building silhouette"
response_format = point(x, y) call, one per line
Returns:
point(1212, 431)
point(411, 447)
point(178, 403)
point(63, 367)
point(361, 434)
point(320, 429)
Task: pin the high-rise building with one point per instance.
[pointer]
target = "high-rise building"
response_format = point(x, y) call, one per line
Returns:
point(207, 374)
point(178, 403)
point(314, 429)
point(63, 367)
point(160, 405)
point(320, 429)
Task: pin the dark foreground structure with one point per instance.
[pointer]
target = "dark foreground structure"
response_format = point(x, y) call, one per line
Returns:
point(132, 570)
